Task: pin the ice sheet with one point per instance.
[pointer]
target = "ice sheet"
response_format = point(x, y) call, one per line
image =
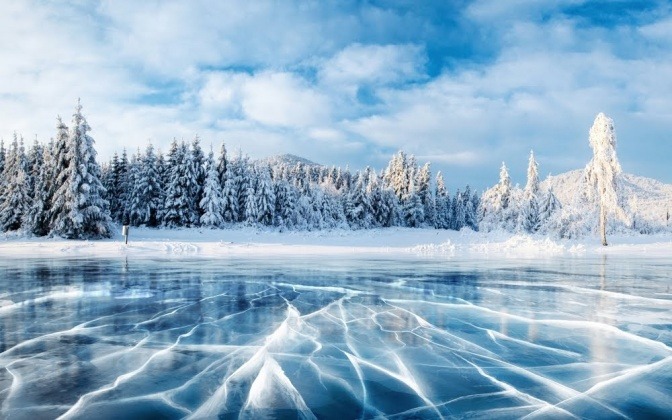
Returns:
point(335, 338)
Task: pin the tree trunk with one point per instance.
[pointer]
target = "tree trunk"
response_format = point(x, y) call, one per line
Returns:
point(603, 224)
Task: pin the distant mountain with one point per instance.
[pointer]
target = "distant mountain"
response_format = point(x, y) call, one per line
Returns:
point(286, 159)
point(648, 198)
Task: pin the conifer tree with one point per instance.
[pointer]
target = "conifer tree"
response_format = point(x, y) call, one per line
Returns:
point(192, 166)
point(476, 205)
point(15, 200)
point(549, 205)
point(497, 209)
point(163, 174)
point(211, 204)
point(423, 189)
point(198, 162)
point(357, 204)
point(529, 215)
point(265, 197)
point(285, 204)
point(470, 212)
point(36, 220)
point(176, 207)
point(147, 189)
point(413, 208)
point(58, 171)
point(251, 210)
point(459, 211)
point(134, 204)
point(222, 166)
point(396, 175)
point(81, 211)
point(231, 192)
point(123, 187)
point(442, 217)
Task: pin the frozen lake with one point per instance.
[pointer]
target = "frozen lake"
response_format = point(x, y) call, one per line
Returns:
point(331, 337)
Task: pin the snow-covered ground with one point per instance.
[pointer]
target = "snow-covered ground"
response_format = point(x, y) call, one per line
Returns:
point(254, 242)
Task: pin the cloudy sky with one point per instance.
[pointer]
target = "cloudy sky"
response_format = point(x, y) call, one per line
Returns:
point(463, 84)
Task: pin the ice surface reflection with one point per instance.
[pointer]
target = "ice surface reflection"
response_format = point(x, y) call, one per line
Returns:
point(338, 338)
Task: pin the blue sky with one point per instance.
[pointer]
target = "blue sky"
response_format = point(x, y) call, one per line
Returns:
point(463, 84)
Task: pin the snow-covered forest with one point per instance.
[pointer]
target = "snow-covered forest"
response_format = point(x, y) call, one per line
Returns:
point(59, 189)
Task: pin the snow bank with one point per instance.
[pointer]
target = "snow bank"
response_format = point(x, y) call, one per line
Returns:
point(179, 243)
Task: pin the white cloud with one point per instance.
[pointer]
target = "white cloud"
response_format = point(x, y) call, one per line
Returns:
point(285, 100)
point(374, 64)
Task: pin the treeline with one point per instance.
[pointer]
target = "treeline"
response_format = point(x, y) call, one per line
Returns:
point(187, 189)
point(514, 209)
point(59, 189)
point(54, 189)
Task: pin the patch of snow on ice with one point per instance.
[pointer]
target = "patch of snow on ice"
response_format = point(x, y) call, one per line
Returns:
point(520, 245)
point(446, 248)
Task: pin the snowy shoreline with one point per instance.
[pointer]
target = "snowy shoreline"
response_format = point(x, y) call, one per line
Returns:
point(252, 242)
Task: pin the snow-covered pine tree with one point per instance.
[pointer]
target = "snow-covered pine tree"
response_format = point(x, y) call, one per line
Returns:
point(15, 201)
point(347, 179)
point(396, 175)
point(498, 207)
point(110, 184)
point(198, 162)
point(82, 212)
point(176, 207)
point(332, 176)
point(32, 167)
point(212, 203)
point(123, 187)
point(36, 220)
point(530, 219)
point(147, 189)
point(532, 186)
point(339, 179)
point(357, 204)
point(423, 189)
point(285, 204)
point(133, 203)
point(603, 171)
point(331, 207)
point(311, 207)
point(377, 206)
point(389, 211)
point(317, 205)
point(470, 212)
point(192, 169)
point(117, 185)
point(163, 174)
point(222, 165)
point(231, 192)
point(504, 188)
point(476, 205)
point(251, 210)
point(442, 216)
point(413, 210)
point(549, 205)
point(459, 211)
point(265, 197)
point(245, 177)
point(58, 171)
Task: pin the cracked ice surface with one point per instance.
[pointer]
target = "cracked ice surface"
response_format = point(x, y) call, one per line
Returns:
point(339, 338)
